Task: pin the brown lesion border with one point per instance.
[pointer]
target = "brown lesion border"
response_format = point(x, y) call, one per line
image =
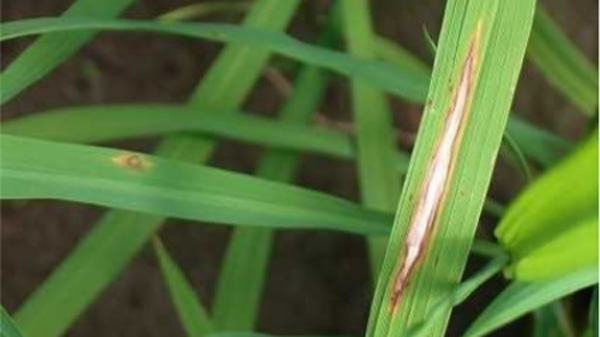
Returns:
point(422, 236)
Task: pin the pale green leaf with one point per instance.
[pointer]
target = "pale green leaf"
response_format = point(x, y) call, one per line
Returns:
point(555, 219)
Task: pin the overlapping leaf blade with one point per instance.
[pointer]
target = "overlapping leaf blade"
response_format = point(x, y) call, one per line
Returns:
point(379, 182)
point(119, 235)
point(409, 85)
point(8, 328)
point(562, 63)
point(33, 169)
point(409, 82)
point(50, 50)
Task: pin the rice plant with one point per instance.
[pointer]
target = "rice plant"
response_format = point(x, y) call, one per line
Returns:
point(424, 206)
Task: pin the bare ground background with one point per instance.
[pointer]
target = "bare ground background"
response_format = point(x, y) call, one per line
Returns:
point(318, 281)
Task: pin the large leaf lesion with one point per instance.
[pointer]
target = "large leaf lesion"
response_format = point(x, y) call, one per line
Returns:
point(439, 172)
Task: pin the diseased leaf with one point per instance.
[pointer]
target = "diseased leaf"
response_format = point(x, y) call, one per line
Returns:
point(479, 57)
point(119, 235)
point(33, 169)
point(97, 124)
point(405, 82)
point(538, 144)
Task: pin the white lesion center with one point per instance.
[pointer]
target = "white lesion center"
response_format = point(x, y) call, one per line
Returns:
point(436, 179)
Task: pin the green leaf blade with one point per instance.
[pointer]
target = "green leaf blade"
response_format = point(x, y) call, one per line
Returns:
point(563, 64)
point(49, 51)
point(379, 182)
point(126, 232)
point(126, 180)
point(8, 328)
point(520, 298)
point(191, 312)
point(407, 84)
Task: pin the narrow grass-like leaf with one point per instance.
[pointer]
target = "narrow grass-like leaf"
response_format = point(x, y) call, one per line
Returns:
point(34, 169)
point(430, 41)
point(191, 312)
point(408, 85)
point(538, 144)
point(480, 53)
point(562, 63)
point(520, 298)
point(200, 9)
point(593, 318)
point(8, 328)
point(550, 321)
point(50, 50)
point(97, 124)
point(555, 219)
point(516, 154)
point(119, 235)
point(461, 293)
point(379, 182)
point(396, 55)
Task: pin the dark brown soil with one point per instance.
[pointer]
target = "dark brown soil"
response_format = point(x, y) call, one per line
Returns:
point(318, 281)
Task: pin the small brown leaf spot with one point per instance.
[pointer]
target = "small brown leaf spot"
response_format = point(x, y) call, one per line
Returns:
point(132, 161)
point(429, 103)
